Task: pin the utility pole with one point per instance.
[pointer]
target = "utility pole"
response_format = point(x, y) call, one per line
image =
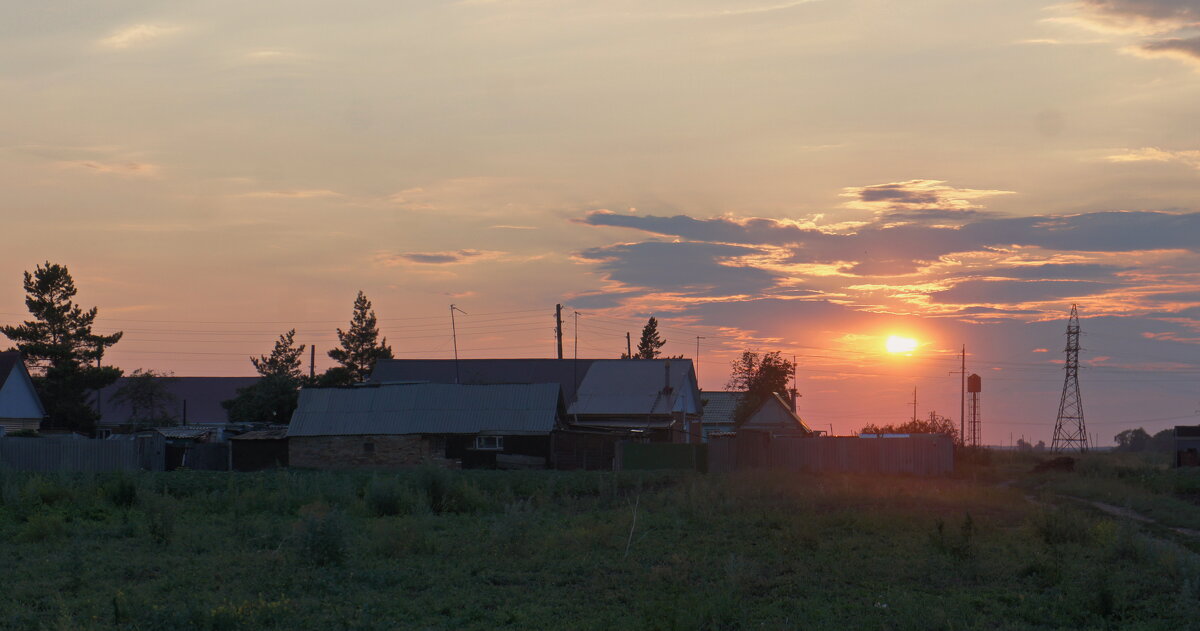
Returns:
point(698, 338)
point(1069, 429)
point(454, 336)
point(914, 405)
point(558, 328)
point(312, 361)
point(628, 347)
point(962, 411)
point(575, 362)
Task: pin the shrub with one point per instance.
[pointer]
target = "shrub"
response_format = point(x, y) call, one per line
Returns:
point(121, 491)
point(386, 497)
point(320, 535)
point(1057, 527)
point(43, 526)
point(160, 517)
point(434, 481)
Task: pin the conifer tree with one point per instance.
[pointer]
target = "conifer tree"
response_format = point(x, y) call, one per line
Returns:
point(648, 347)
point(61, 348)
point(361, 347)
point(285, 359)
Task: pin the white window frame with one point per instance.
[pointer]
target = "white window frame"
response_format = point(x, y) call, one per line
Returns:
point(489, 443)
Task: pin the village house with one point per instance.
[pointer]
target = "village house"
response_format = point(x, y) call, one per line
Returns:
point(657, 399)
point(190, 401)
point(20, 407)
point(645, 399)
point(775, 416)
point(407, 424)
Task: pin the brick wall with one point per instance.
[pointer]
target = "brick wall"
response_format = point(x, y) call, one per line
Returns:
point(358, 452)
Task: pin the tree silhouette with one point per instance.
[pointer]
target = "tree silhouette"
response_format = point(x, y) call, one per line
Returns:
point(285, 358)
point(60, 345)
point(648, 347)
point(360, 348)
point(149, 400)
point(761, 378)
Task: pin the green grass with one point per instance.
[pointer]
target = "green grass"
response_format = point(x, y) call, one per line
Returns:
point(433, 549)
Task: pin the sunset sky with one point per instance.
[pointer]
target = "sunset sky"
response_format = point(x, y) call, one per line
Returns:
point(809, 177)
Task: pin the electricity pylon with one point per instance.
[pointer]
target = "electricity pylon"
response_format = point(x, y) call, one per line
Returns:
point(1069, 430)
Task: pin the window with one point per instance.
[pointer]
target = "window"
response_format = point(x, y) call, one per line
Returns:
point(368, 448)
point(490, 443)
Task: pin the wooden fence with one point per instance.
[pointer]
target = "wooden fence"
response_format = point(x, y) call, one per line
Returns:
point(917, 454)
point(61, 454)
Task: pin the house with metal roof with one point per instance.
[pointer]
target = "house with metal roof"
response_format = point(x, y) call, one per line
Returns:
point(567, 373)
point(190, 401)
point(655, 398)
point(776, 417)
point(394, 425)
point(20, 406)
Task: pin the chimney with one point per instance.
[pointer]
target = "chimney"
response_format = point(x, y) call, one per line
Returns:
point(667, 383)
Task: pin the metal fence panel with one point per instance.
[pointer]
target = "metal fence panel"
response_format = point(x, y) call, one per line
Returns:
point(930, 454)
point(51, 454)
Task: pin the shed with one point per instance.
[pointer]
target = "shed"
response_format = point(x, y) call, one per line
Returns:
point(258, 450)
point(719, 406)
point(402, 425)
point(1187, 445)
point(20, 406)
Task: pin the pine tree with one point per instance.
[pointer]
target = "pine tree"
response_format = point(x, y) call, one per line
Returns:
point(360, 350)
point(285, 358)
point(62, 349)
point(648, 347)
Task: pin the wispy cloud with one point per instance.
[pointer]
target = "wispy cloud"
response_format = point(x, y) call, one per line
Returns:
point(129, 168)
point(293, 194)
point(391, 259)
point(138, 35)
point(1154, 154)
point(1178, 48)
point(917, 198)
point(1145, 17)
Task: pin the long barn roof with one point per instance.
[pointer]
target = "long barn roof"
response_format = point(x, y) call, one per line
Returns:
point(427, 408)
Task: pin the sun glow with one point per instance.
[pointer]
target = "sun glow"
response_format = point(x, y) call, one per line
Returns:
point(897, 344)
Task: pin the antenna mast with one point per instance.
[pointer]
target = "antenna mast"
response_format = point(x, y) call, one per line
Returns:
point(454, 336)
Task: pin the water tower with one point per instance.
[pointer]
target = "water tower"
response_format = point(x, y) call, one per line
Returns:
point(974, 386)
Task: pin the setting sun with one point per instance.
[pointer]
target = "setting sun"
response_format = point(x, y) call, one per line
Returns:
point(897, 344)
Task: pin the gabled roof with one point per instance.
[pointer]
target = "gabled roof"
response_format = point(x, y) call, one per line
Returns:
point(719, 405)
point(427, 408)
point(203, 396)
point(8, 359)
point(567, 373)
point(775, 414)
point(636, 387)
point(12, 367)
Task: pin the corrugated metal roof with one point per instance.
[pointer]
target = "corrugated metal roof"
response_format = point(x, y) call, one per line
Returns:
point(567, 373)
point(262, 434)
point(427, 408)
point(183, 432)
point(719, 405)
point(636, 386)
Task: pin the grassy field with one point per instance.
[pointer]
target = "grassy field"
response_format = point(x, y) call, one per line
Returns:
point(993, 548)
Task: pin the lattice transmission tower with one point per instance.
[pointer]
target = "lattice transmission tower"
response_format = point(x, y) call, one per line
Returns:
point(1069, 429)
